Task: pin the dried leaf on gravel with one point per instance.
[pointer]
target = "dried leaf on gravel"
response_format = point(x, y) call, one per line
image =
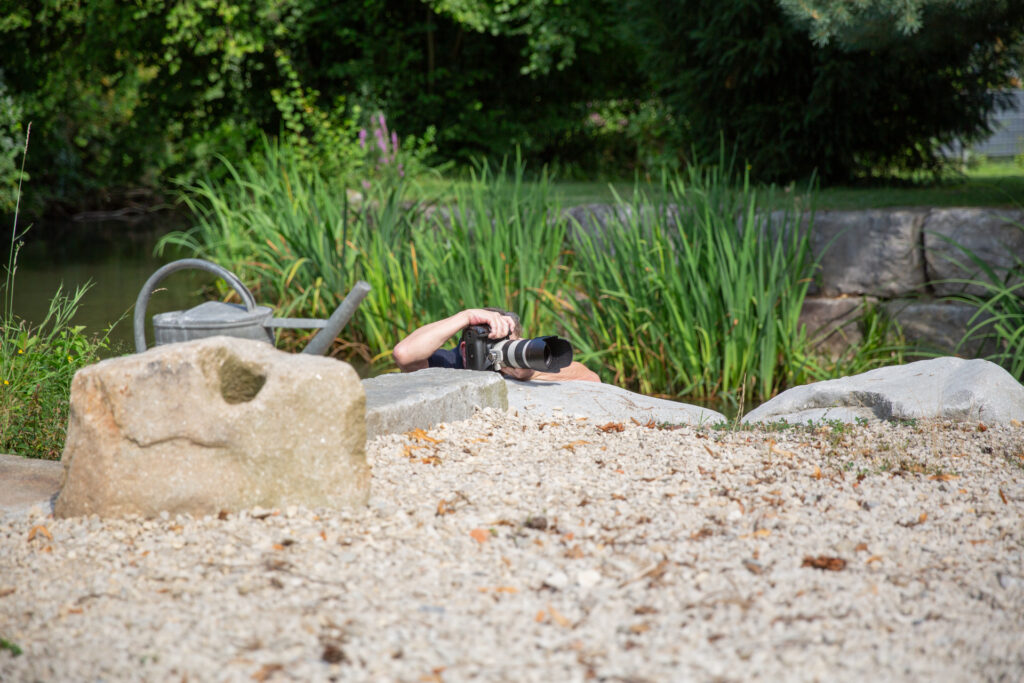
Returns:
point(4, 592)
point(710, 452)
point(480, 535)
point(612, 427)
point(1003, 497)
point(431, 460)
point(40, 530)
point(558, 617)
point(824, 562)
point(407, 451)
point(920, 520)
point(817, 472)
point(266, 671)
point(571, 446)
point(779, 451)
point(944, 477)
point(420, 435)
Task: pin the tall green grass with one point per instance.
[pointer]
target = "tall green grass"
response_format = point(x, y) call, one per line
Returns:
point(696, 292)
point(998, 321)
point(298, 242)
point(498, 242)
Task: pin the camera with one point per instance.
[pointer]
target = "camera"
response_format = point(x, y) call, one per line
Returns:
point(544, 354)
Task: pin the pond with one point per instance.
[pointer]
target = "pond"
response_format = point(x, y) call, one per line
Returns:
point(115, 256)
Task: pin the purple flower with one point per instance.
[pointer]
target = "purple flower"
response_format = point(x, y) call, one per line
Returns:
point(362, 138)
point(394, 142)
point(382, 145)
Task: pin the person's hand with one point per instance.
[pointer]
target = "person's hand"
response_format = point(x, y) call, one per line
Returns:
point(501, 325)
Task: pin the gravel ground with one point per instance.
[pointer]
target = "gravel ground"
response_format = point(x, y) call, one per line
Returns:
point(505, 548)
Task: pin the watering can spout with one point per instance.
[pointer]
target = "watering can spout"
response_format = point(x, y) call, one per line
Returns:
point(321, 342)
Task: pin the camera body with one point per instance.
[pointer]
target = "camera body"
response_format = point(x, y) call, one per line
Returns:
point(544, 354)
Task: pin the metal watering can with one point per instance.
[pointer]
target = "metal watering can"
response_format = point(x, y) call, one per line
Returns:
point(247, 321)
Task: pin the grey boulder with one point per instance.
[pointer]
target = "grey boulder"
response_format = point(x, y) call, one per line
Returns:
point(941, 388)
point(218, 424)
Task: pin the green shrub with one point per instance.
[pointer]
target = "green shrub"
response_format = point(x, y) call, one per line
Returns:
point(38, 362)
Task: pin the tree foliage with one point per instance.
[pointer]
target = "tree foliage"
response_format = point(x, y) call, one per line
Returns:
point(874, 23)
point(119, 90)
point(743, 70)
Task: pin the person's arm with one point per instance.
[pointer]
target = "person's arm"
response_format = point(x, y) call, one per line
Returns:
point(575, 370)
point(413, 352)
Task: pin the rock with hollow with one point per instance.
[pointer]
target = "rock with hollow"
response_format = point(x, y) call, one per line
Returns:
point(214, 425)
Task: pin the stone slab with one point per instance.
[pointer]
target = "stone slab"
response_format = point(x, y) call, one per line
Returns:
point(833, 323)
point(995, 236)
point(397, 403)
point(874, 253)
point(940, 325)
point(602, 403)
point(28, 482)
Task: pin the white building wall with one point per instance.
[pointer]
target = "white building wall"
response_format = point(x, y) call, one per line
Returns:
point(1008, 139)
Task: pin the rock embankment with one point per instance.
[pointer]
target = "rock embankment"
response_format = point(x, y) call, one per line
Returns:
point(513, 548)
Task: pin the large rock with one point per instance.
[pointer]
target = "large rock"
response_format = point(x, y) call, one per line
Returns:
point(399, 402)
point(602, 403)
point(875, 253)
point(994, 236)
point(946, 388)
point(211, 425)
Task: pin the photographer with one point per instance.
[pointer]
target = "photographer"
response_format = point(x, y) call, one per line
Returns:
point(422, 348)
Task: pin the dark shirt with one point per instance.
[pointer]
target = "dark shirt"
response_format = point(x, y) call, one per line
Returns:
point(446, 358)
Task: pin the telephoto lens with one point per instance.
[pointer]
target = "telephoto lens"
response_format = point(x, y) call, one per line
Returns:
point(544, 354)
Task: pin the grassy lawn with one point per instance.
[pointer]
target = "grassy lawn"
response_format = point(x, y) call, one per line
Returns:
point(997, 184)
point(994, 183)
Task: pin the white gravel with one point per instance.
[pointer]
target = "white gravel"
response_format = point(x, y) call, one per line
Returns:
point(518, 550)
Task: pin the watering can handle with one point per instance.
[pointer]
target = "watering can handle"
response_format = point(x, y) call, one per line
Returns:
point(174, 266)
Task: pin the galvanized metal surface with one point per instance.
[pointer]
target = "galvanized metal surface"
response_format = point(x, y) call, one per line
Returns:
point(247, 321)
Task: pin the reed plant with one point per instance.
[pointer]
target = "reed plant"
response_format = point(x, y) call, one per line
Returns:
point(38, 361)
point(300, 241)
point(690, 290)
point(997, 294)
point(498, 242)
point(695, 291)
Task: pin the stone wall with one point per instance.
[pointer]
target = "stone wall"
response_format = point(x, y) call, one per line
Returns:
point(906, 260)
